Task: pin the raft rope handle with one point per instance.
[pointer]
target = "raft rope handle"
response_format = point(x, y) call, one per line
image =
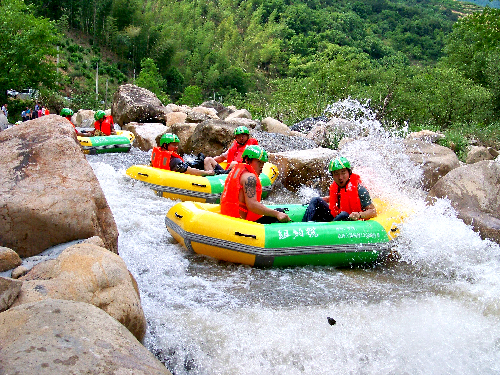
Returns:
point(143, 174)
point(178, 216)
point(246, 235)
point(198, 185)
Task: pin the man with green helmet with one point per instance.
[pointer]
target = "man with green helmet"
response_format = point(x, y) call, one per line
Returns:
point(243, 190)
point(104, 125)
point(166, 157)
point(234, 154)
point(348, 199)
point(67, 113)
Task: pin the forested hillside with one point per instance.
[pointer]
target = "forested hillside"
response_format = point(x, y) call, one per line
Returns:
point(418, 64)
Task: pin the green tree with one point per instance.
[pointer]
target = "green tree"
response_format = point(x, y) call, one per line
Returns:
point(150, 78)
point(192, 95)
point(474, 49)
point(27, 43)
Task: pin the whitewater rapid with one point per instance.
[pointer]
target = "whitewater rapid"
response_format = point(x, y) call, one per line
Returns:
point(436, 311)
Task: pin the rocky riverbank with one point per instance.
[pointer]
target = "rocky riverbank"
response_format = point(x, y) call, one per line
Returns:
point(80, 309)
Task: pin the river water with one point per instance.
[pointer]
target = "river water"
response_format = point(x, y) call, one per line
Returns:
point(435, 311)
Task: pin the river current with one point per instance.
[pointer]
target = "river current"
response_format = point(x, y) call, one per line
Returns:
point(435, 311)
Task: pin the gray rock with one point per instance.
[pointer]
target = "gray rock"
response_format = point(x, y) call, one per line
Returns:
point(9, 259)
point(49, 193)
point(88, 273)
point(9, 290)
point(135, 104)
point(436, 161)
point(65, 337)
point(274, 142)
point(474, 192)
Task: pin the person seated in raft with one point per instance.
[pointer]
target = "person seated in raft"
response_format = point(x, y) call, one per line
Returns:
point(243, 190)
point(166, 157)
point(234, 154)
point(67, 113)
point(348, 199)
point(104, 125)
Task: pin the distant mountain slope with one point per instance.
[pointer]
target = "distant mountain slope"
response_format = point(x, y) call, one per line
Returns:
point(484, 3)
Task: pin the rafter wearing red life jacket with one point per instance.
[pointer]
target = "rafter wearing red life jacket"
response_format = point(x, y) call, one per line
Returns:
point(348, 196)
point(105, 126)
point(236, 150)
point(160, 158)
point(230, 203)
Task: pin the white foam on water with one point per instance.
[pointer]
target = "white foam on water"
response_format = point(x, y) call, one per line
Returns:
point(433, 312)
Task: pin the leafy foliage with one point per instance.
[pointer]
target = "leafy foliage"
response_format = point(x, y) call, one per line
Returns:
point(415, 62)
point(150, 78)
point(27, 45)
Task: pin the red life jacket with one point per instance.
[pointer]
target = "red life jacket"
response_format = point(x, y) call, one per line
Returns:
point(349, 197)
point(105, 126)
point(236, 150)
point(160, 158)
point(230, 203)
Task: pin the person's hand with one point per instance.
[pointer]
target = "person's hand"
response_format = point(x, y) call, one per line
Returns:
point(355, 216)
point(283, 218)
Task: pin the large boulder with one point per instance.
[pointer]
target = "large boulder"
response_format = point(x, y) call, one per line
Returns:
point(65, 337)
point(329, 134)
point(175, 118)
point(426, 136)
point(210, 112)
point(474, 192)
point(213, 104)
point(274, 142)
point(3, 121)
point(272, 125)
point(84, 118)
point(304, 168)
point(49, 193)
point(134, 104)
point(212, 137)
point(91, 274)
point(9, 290)
point(241, 121)
point(146, 134)
point(184, 132)
point(240, 113)
point(479, 153)
point(436, 161)
point(9, 259)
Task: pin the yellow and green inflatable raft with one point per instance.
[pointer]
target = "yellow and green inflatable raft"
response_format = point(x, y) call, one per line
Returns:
point(175, 185)
point(200, 227)
point(121, 142)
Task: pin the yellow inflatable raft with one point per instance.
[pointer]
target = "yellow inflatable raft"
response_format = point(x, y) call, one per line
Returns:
point(121, 142)
point(201, 228)
point(175, 185)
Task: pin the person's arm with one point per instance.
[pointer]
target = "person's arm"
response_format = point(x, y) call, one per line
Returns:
point(326, 199)
point(219, 159)
point(368, 209)
point(367, 213)
point(249, 182)
point(198, 172)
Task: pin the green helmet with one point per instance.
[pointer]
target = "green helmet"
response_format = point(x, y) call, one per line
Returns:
point(339, 163)
point(168, 138)
point(241, 130)
point(99, 115)
point(66, 112)
point(255, 152)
